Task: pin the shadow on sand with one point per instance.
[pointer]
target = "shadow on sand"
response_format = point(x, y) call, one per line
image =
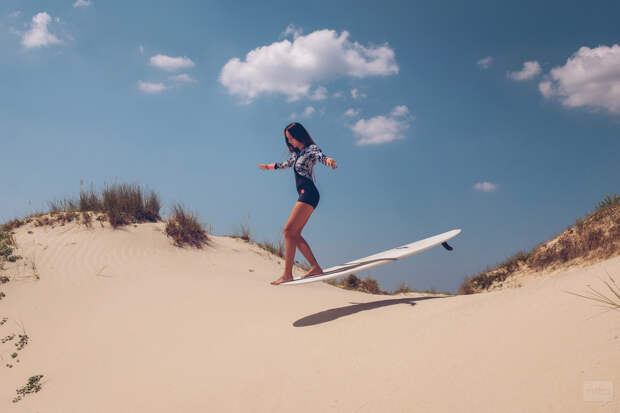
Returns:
point(334, 313)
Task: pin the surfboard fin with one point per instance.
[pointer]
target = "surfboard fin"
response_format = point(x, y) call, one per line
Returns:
point(446, 246)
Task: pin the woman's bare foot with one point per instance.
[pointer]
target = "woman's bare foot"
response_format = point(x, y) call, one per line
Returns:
point(282, 279)
point(313, 271)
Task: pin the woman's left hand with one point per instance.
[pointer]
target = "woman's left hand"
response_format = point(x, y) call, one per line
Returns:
point(331, 162)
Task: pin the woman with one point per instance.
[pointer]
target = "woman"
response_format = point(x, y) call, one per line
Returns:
point(304, 154)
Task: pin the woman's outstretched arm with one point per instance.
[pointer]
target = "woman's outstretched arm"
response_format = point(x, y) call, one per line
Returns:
point(318, 154)
point(279, 165)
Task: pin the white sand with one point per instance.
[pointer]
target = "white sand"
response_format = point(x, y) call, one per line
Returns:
point(122, 321)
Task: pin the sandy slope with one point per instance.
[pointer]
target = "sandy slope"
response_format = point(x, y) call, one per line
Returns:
point(122, 321)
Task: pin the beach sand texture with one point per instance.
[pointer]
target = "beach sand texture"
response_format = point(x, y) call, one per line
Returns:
point(123, 321)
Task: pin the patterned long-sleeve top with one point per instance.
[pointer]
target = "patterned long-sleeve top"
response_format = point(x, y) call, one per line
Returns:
point(303, 161)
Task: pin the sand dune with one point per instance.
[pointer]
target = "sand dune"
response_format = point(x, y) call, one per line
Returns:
point(123, 321)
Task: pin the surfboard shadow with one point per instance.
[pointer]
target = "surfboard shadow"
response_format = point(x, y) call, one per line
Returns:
point(335, 313)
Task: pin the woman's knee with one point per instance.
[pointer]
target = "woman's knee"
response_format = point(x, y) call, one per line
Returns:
point(290, 232)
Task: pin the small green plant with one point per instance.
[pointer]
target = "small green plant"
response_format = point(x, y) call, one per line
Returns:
point(611, 302)
point(33, 386)
point(23, 340)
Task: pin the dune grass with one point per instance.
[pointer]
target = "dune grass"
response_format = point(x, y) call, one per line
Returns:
point(370, 285)
point(244, 231)
point(610, 302)
point(276, 249)
point(7, 247)
point(594, 237)
point(185, 229)
point(119, 204)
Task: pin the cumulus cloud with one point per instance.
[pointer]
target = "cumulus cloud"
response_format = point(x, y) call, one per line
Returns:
point(141, 49)
point(399, 111)
point(530, 70)
point(352, 112)
point(151, 88)
point(171, 64)
point(356, 94)
point(291, 29)
point(39, 35)
point(338, 94)
point(291, 68)
point(486, 186)
point(590, 77)
point(382, 129)
point(485, 62)
point(183, 78)
point(320, 93)
point(15, 13)
point(308, 111)
point(82, 3)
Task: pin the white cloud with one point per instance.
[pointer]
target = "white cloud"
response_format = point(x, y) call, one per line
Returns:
point(151, 88)
point(382, 129)
point(141, 49)
point(486, 186)
point(399, 111)
point(15, 13)
point(352, 112)
point(82, 3)
point(291, 68)
point(356, 94)
point(308, 111)
point(171, 64)
point(485, 62)
point(320, 93)
point(291, 29)
point(183, 78)
point(546, 88)
point(39, 35)
point(338, 95)
point(530, 70)
point(590, 77)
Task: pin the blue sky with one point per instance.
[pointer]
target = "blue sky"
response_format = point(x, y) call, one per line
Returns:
point(498, 118)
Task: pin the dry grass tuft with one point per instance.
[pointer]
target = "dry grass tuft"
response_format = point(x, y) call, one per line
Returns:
point(120, 204)
point(593, 238)
point(352, 282)
point(244, 231)
point(184, 228)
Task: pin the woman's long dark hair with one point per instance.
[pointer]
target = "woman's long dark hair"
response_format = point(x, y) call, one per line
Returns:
point(298, 132)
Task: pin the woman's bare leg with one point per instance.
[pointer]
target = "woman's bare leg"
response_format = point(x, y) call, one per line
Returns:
point(292, 232)
point(304, 248)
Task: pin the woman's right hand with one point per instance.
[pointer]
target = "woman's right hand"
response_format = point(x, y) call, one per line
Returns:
point(263, 166)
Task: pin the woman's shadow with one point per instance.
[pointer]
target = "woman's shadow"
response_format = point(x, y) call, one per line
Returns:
point(334, 313)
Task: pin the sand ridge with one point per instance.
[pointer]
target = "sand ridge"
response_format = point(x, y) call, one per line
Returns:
point(121, 320)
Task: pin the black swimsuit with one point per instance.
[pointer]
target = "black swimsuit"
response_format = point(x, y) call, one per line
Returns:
point(303, 164)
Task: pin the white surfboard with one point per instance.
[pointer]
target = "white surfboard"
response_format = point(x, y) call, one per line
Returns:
point(378, 259)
